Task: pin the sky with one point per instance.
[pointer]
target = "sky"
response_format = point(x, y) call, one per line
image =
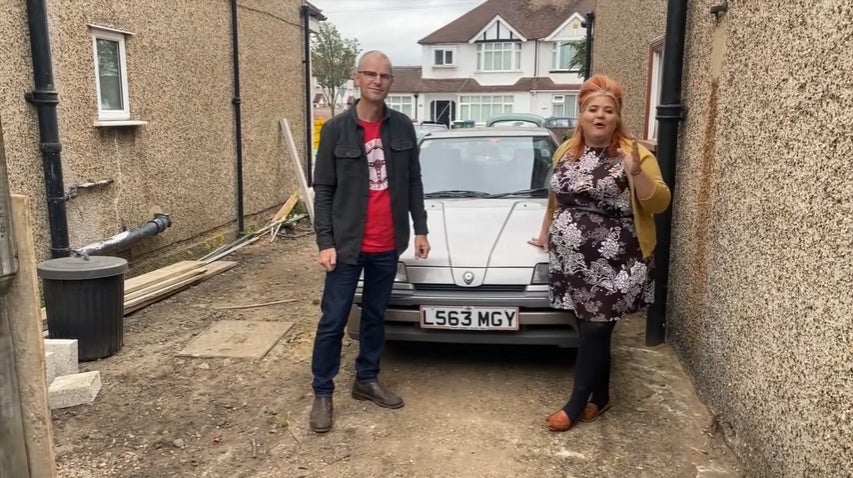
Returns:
point(393, 26)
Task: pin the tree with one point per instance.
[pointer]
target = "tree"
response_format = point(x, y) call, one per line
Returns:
point(578, 60)
point(332, 60)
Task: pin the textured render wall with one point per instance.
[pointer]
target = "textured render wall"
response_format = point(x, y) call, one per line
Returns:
point(20, 128)
point(272, 87)
point(761, 309)
point(180, 82)
point(624, 30)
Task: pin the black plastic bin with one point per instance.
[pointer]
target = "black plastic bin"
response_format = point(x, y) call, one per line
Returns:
point(84, 300)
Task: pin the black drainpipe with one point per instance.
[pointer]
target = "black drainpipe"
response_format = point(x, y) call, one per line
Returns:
point(306, 63)
point(238, 121)
point(670, 112)
point(45, 98)
point(589, 23)
point(127, 238)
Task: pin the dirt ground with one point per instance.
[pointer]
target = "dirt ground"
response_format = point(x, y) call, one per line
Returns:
point(470, 411)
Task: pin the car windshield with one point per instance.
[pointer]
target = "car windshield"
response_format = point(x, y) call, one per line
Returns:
point(483, 166)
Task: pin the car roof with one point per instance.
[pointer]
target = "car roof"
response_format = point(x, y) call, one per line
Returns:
point(488, 132)
point(516, 117)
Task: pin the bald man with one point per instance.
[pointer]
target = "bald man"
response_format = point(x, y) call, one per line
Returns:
point(367, 183)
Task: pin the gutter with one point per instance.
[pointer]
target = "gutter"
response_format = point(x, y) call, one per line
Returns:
point(238, 119)
point(45, 98)
point(670, 113)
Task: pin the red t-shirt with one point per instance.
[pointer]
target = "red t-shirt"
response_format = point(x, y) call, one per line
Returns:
point(379, 224)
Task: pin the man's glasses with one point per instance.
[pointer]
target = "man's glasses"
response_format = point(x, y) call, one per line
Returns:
point(371, 75)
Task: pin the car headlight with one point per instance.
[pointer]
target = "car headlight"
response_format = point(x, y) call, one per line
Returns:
point(540, 274)
point(402, 275)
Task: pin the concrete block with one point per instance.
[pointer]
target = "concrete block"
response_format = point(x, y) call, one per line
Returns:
point(50, 366)
point(72, 390)
point(65, 355)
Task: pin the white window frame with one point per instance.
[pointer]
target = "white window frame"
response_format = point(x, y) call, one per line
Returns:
point(444, 52)
point(397, 102)
point(555, 55)
point(514, 49)
point(566, 101)
point(111, 115)
point(654, 84)
point(467, 102)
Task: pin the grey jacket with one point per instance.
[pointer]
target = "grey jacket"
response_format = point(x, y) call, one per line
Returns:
point(341, 182)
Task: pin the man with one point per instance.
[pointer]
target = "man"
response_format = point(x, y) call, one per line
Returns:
point(367, 182)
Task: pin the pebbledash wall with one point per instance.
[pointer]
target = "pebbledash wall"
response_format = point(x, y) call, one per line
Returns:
point(760, 308)
point(179, 73)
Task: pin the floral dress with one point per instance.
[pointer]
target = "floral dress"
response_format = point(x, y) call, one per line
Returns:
point(596, 264)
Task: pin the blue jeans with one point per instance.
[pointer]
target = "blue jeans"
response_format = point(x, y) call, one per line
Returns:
point(379, 272)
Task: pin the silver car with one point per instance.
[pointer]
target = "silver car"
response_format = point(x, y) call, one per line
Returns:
point(486, 193)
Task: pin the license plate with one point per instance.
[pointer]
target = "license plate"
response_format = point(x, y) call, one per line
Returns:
point(469, 318)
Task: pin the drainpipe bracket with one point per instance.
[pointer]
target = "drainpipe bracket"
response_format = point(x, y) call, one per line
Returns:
point(669, 112)
point(719, 9)
point(47, 97)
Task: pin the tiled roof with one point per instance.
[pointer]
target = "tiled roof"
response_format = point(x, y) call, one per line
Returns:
point(533, 19)
point(407, 79)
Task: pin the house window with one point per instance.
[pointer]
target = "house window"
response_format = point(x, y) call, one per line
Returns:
point(504, 56)
point(481, 108)
point(564, 106)
point(111, 75)
point(401, 103)
point(653, 88)
point(443, 58)
point(564, 52)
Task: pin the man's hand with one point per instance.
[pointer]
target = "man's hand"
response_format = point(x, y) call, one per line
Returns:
point(421, 247)
point(328, 258)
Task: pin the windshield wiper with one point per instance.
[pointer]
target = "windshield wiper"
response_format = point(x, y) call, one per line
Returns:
point(457, 193)
point(535, 192)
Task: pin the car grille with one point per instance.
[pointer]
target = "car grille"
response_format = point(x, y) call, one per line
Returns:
point(482, 288)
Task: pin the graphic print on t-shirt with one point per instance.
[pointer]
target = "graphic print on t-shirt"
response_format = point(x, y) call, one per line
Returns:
point(378, 223)
point(376, 164)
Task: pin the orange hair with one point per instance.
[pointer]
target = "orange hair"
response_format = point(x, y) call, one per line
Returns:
point(598, 85)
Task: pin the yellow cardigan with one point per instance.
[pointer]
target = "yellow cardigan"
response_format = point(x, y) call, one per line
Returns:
point(643, 208)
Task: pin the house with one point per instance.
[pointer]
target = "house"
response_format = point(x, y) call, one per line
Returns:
point(146, 110)
point(761, 260)
point(502, 56)
point(343, 95)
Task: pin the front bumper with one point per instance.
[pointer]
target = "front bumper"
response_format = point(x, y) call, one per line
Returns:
point(539, 324)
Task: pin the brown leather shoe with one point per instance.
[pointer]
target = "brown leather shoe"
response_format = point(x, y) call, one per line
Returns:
point(321, 415)
point(591, 412)
point(376, 393)
point(558, 421)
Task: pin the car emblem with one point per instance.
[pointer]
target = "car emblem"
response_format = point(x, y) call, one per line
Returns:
point(468, 277)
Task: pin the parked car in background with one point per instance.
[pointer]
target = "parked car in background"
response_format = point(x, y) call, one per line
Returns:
point(562, 127)
point(516, 120)
point(422, 128)
point(486, 191)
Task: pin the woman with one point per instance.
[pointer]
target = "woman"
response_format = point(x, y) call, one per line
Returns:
point(600, 234)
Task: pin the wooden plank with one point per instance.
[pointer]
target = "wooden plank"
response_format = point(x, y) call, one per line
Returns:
point(144, 301)
point(307, 193)
point(160, 294)
point(164, 284)
point(218, 267)
point(28, 343)
point(145, 280)
point(286, 208)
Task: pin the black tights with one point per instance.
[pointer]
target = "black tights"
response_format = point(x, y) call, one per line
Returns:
point(592, 368)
